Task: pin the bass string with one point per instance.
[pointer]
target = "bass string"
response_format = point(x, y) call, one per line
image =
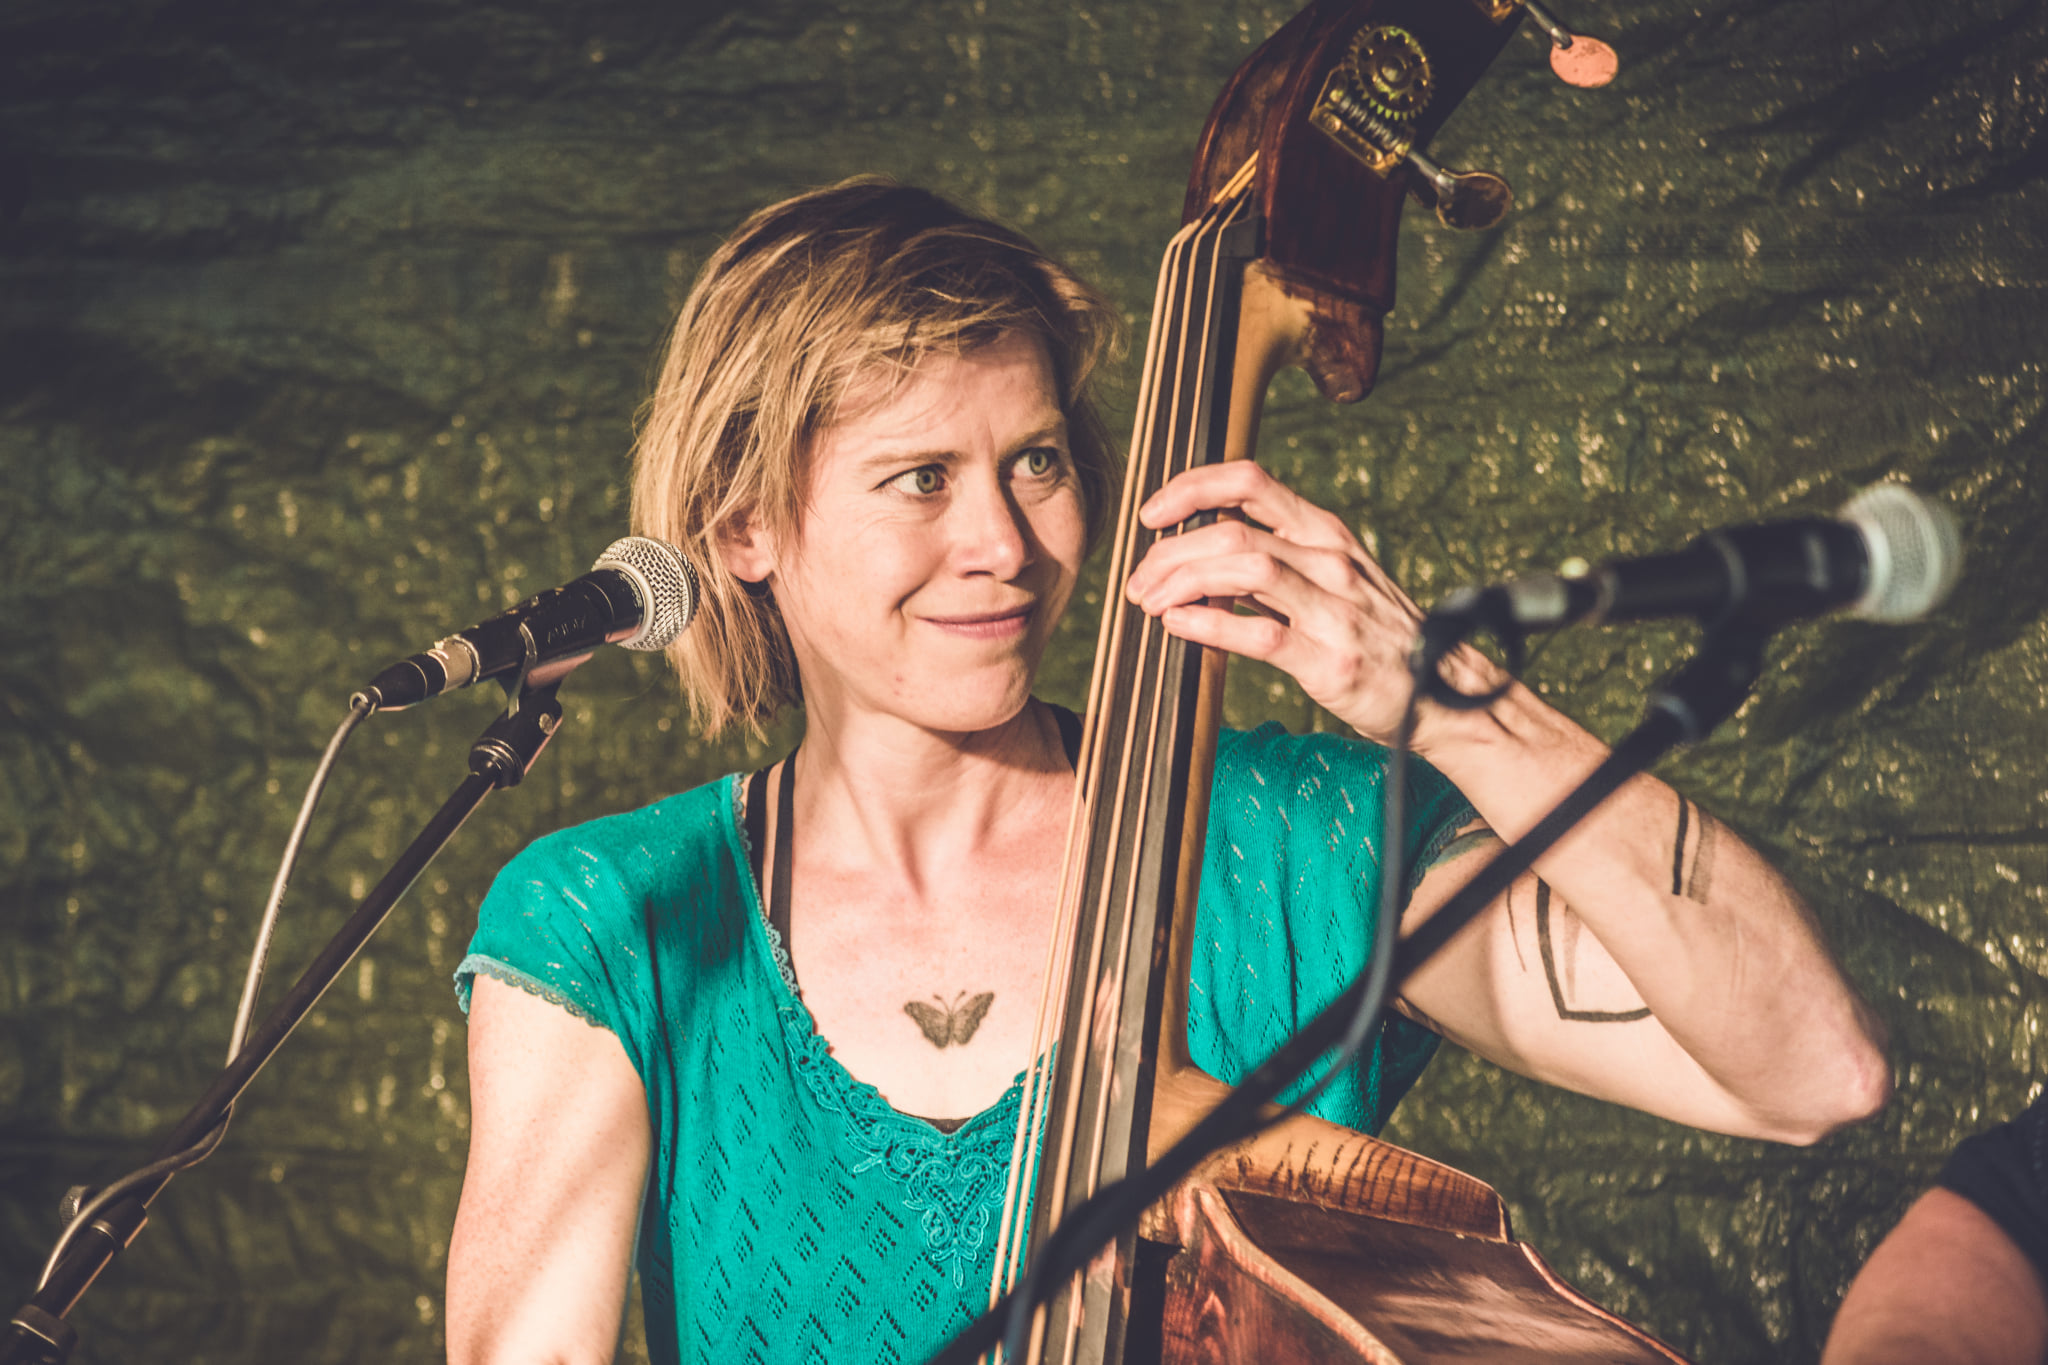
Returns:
point(1025, 1151)
point(1110, 650)
point(1147, 708)
point(1010, 1247)
point(1177, 286)
point(1116, 708)
point(1059, 948)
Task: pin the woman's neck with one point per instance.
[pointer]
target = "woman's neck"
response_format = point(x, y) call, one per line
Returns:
point(906, 803)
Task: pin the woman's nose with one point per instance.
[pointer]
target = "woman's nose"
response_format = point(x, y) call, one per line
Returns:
point(991, 533)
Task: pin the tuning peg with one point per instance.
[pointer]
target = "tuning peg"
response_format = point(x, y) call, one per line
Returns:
point(1369, 105)
point(1467, 202)
point(1576, 58)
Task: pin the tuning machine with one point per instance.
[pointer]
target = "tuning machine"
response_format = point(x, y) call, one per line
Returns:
point(1369, 106)
point(1468, 202)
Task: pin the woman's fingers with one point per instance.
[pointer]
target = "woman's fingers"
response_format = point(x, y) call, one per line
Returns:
point(1242, 485)
point(1339, 634)
point(1232, 559)
point(1235, 562)
point(1250, 637)
point(1343, 627)
point(1342, 669)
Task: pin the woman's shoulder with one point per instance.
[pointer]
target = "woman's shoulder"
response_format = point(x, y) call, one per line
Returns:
point(587, 916)
point(676, 836)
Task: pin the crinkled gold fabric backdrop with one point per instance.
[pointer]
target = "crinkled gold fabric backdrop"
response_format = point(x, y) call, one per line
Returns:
point(324, 326)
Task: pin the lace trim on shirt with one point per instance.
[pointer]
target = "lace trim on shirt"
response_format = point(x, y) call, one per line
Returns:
point(476, 964)
point(954, 1181)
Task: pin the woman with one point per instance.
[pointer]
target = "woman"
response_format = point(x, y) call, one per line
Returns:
point(873, 431)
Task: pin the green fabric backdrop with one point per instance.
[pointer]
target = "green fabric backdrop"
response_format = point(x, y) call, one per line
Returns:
point(322, 327)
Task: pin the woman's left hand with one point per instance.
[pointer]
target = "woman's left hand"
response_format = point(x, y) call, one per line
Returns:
point(1338, 623)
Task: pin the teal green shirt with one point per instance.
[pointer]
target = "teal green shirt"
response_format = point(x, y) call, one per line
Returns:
point(791, 1213)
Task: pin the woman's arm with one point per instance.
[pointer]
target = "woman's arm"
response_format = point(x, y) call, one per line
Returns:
point(1688, 981)
point(1652, 958)
point(558, 1156)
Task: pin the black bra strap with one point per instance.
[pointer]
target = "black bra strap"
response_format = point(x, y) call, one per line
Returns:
point(757, 822)
point(1070, 733)
point(778, 896)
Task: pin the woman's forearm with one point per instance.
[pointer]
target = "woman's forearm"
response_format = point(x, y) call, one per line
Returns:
point(1710, 939)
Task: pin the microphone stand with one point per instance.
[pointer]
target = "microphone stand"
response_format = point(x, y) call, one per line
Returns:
point(501, 757)
point(1682, 710)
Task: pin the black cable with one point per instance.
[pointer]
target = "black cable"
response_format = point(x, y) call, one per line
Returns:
point(112, 1194)
point(360, 708)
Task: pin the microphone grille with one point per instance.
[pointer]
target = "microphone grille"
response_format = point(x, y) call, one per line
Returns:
point(667, 583)
point(1916, 554)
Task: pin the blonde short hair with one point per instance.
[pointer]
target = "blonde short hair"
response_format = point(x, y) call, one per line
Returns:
point(810, 300)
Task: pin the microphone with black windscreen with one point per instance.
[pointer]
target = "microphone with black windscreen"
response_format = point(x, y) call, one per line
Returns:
point(1890, 555)
point(641, 593)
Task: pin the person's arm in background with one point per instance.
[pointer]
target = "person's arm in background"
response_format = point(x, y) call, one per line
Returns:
point(1946, 1286)
point(1960, 1279)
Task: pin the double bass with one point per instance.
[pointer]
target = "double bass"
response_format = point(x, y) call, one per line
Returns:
point(1309, 1241)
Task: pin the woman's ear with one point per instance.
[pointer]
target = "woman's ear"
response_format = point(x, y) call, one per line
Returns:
point(747, 549)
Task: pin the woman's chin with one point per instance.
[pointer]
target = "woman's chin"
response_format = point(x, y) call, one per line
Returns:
point(966, 706)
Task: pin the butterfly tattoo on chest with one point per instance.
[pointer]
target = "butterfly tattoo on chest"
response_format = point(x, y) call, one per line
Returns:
point(945, 1025)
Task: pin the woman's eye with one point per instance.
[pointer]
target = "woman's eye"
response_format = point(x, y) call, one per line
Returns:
point(1039, 462)
point(925, 479)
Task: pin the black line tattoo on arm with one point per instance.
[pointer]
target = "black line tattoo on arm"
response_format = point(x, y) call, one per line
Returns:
point(1702, 881)
point(1549, 954)
point(1678, 849)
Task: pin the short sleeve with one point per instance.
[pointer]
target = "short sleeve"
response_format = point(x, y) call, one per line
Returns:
point(557, 924)
point(623, 920)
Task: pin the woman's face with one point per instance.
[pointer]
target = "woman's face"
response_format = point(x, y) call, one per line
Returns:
point(938, 545)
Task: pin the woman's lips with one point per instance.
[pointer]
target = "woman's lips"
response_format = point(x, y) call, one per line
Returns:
point(987, 625)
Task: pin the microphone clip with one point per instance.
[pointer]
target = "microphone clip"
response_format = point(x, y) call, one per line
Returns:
point(514, 682)
point(1453, 621)
point(509, 746)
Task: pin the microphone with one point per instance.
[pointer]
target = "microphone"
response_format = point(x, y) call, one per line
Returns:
point(641, 593)
point(1891, 555)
